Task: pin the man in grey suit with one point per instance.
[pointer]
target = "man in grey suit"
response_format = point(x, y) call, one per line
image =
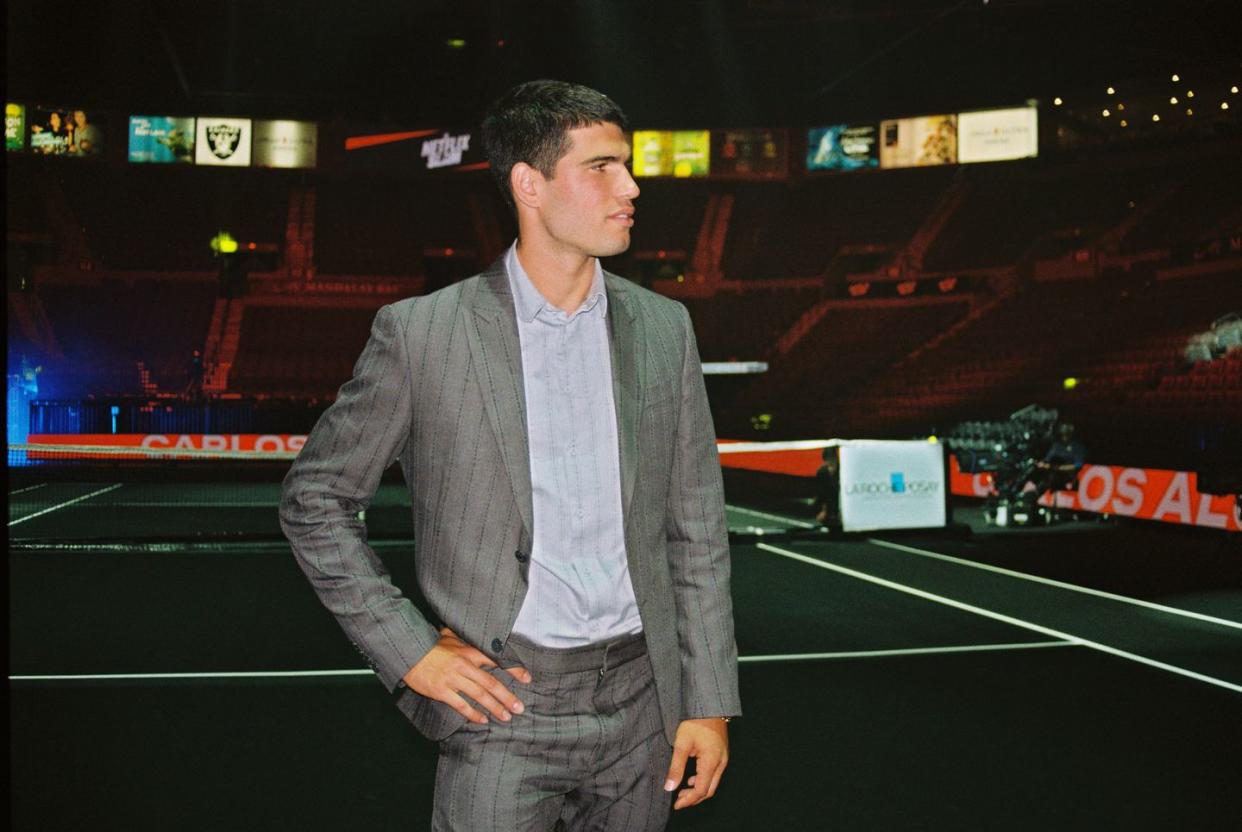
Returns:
point(552, 425)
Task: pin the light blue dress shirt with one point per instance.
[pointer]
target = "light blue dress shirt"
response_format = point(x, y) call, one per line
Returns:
point(580, 590)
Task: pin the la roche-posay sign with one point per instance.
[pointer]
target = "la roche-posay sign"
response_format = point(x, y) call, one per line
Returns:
point(892, 485)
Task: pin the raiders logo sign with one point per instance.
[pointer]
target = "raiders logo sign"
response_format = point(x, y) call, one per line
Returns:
point(223, 139)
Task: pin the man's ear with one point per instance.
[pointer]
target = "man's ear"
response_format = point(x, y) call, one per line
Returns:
point(523, 181)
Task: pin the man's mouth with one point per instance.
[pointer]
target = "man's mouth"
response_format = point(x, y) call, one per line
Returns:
point(624, 217)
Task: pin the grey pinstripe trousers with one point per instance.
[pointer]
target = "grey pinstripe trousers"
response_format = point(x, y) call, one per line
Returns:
point(589, 750)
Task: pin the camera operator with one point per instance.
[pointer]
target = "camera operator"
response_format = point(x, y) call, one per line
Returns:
point(1060, 465)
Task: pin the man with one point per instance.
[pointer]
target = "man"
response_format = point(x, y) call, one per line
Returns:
point(552, 425)
point(1060, 465)
point(828, 489)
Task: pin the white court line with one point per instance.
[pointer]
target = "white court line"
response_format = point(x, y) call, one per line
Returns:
point(908, 651)
point(245, 674)
point(65, 504)
point(296, 674)
point(792, 521)
point(1224, 622)
point(1008, 619)
point(27, 488)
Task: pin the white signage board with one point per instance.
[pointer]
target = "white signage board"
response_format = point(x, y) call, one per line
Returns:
point(892, 485)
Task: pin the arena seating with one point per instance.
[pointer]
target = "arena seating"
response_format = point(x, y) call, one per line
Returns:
point(298, 351)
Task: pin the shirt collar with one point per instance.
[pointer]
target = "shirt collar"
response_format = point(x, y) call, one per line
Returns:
point(528, 301)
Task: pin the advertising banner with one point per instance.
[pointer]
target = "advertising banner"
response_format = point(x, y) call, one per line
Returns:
point(14, 126)
point(223, 141)
point(677, 153)
point(64, 132)
point(892, 485)
point(998, 135)
point(749, 154)
point(285, 144)
point(414, 151)
point(843, 147)
point(161, 139)
point(914, 142)
point(1145, 493)
point(113, 445)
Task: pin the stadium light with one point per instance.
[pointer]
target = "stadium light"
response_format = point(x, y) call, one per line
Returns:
point(223, 243)
point(456, 43)
point(1224, 105)
point(857, 290)
point(1106, 113)
point(1176, 78)
point(1155, 116)
point(1069, 383)
point(1111, 91)
point(1173, 100)
point(907, 287)
point(1189, 112)
point(1057, 101)
point(1125, 123)
point(1190, 93)
point(1234, 89)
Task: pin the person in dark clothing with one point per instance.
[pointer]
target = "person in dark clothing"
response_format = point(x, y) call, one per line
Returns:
point(828, 489)
point(1060, 466)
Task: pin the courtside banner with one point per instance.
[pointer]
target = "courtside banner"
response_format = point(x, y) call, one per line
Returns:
point(1145, 493)
point(191, 445)
point(892, 485)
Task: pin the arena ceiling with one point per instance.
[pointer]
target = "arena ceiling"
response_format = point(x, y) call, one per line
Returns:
point(710, 62)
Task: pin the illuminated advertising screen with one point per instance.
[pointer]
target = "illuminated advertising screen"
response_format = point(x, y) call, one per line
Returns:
point(678, 153)
point(750, 154)
point(222, 141)
point(14, 126)
point(997, 135)
point(161, 139)
point(842, 147)
point(915, 142)
point(64, 132)
point(384, 150)
point(285, 144)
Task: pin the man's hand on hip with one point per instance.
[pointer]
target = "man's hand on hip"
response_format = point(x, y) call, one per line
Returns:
point(452, 668)
point(707, 741)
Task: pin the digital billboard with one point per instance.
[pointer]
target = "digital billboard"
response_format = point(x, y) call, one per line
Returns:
point(161, 139)
point(997, 135)
point(384, 150)
point(678, 153)
point(222, 141)
point(14, 126)
point(285, 144)
point(749, 154)
point(842, 147)
point(64, 132)
point(915, 142)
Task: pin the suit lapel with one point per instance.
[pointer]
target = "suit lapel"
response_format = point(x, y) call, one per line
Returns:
point(628, 370)
point(497, 354)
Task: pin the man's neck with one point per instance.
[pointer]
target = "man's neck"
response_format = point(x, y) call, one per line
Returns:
point(563, 279)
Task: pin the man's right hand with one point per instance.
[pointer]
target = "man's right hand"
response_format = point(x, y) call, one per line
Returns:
point(452, 668)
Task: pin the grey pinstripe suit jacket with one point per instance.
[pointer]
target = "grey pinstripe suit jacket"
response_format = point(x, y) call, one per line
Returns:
point(439, 389)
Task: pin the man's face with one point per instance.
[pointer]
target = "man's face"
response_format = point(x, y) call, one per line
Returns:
point(587, 207)
point(79, 118)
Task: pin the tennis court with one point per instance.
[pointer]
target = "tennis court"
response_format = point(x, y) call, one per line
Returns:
point(169, 666)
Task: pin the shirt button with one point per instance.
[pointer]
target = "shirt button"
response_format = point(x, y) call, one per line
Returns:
point(521, 556)
point(497, 645)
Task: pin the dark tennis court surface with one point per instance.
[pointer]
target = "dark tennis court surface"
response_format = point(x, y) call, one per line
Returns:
point(1083, 676)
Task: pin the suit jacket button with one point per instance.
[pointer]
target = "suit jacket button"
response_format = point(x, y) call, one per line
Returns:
point(497, 645)
point(521, 556)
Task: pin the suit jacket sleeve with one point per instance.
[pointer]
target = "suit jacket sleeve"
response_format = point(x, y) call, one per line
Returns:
point(698, 551)
point(334, 478)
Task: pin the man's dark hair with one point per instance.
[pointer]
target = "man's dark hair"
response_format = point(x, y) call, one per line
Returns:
point(530, 123)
